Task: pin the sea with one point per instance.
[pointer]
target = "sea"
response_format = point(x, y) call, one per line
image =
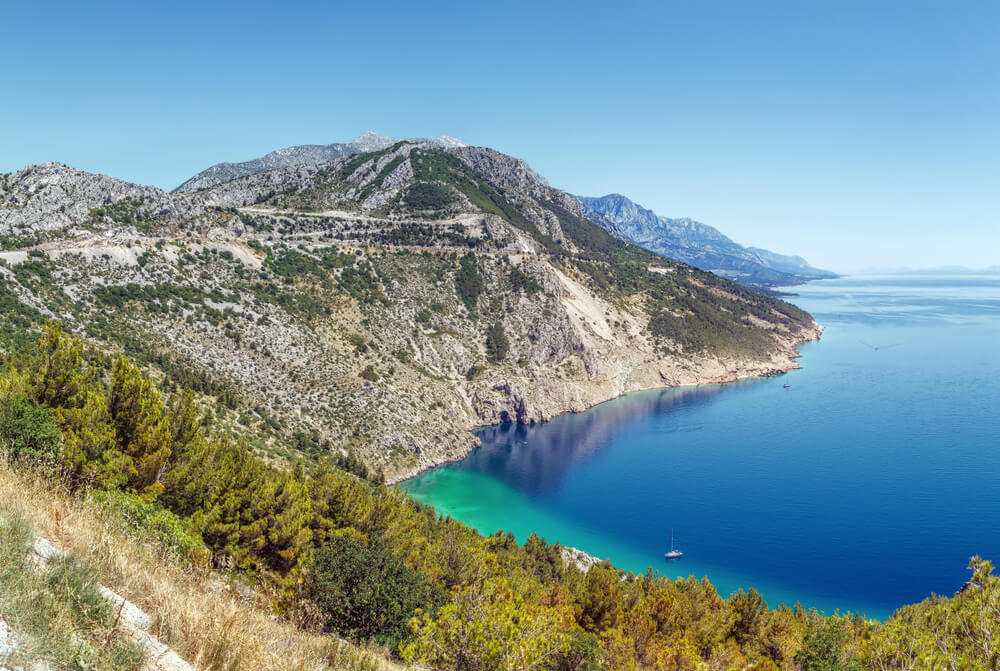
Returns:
point(862, 482)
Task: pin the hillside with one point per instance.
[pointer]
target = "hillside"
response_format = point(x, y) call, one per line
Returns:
point(385, 303)
point(97, 581)
point(699, 245)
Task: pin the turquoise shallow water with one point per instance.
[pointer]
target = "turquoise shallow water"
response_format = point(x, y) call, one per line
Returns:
point(865, 485)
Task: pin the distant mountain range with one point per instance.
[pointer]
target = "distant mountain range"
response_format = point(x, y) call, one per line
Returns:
point(698, 244)
point(306, 154)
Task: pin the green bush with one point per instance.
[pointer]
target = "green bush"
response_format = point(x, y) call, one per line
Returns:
point(364, 591)
point(468, 281)
point(28, 431)
point(520, 281)
point(151, 521)
point(351, 463)
point(497, 345)
point(823, 649)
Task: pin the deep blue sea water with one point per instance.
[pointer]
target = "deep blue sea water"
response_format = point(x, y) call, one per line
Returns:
point(865, 485)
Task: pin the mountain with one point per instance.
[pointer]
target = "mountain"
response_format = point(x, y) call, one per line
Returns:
point(384, 303)
point(700, 245)
point(307, 154)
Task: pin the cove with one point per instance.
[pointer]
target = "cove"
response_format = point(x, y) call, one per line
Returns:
point(865, 485)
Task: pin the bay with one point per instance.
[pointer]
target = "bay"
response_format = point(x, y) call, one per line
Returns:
point(866, 484)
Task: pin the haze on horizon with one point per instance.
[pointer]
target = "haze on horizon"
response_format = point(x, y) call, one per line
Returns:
point(852, 134)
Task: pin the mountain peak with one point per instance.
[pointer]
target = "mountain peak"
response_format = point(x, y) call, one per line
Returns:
point(371, 138)
point(449, 142)
point(372, 135)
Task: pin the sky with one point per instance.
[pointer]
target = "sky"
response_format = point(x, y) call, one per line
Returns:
point(857, 134)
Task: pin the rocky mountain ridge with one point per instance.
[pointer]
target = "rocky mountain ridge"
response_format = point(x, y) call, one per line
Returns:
point(308, 154)
point(384, 303)
point(698, 244)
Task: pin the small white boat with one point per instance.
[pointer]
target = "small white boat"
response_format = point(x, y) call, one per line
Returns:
point(673, 553)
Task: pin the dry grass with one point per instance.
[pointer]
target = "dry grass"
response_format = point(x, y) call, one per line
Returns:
point(206, 624)
point(57, 613)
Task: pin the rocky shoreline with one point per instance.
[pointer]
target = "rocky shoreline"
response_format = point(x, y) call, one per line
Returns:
point(535, 405)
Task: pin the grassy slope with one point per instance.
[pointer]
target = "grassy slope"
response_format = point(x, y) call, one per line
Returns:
point(208, 624)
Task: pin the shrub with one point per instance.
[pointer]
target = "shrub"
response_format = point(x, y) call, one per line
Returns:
point(29, 431)
point(146, 521)
point(497, 345)
point(351, 463)
point(520, 281)
point(364, 591)
point(468, 281)
point(428, 196)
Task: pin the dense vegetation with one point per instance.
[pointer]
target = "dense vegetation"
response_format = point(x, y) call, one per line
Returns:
point(373, 564)
point(427, 196)
point(468, 282)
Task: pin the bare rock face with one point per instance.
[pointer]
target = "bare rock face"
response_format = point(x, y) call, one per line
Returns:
point(579, 558)
point(503, 171)
point(303, 155)
point(254, 188)
point(504, 402)
point(51, 196)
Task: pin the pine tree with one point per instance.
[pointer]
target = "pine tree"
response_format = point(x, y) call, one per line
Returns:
point(142, 427)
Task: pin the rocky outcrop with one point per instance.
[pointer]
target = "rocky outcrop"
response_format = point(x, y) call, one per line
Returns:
point(52, 197)
point(504, 171)
point(242, 191)
point(579, 558)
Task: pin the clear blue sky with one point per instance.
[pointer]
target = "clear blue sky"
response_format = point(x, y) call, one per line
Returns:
point(854, 133)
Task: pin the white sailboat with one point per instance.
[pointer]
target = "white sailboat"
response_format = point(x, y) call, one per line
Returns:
point(673, 553)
